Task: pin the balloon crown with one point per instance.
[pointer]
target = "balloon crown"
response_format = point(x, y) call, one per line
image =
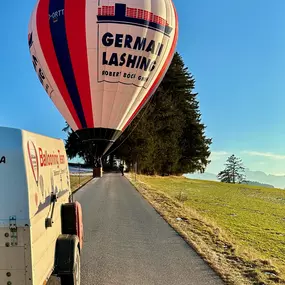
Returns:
point(120, 13)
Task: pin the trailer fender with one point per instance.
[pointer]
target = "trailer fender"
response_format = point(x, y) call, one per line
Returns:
point(71, 220)
point(65, 254)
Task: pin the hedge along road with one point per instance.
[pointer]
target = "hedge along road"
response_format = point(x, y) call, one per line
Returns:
point(127, 243)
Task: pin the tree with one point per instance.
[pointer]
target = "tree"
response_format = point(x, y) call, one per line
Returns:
point(67, 128)
point(168, 136)
point(234, 171)
point(75, 147)
point(224, 176)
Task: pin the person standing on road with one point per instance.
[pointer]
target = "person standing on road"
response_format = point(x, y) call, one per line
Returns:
point(122, 169)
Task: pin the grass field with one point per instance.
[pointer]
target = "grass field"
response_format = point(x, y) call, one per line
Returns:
point(77, 181)
point(238, 229)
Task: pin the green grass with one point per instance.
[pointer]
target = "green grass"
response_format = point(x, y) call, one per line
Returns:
point(251, 217)
point(77, 181)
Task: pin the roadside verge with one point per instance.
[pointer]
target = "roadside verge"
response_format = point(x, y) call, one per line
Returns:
point(213, 245)
point(77, 184)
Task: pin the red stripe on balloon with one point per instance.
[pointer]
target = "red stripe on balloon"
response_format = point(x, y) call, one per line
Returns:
point(46, 43)
point(160, 75)
point(75, 22)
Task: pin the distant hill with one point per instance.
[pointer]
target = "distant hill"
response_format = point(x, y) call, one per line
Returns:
point(204, 176)
point(255, 183)
point(253, 176)
point(275, 180)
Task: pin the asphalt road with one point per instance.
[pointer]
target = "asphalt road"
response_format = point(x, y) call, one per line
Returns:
point(128, 243)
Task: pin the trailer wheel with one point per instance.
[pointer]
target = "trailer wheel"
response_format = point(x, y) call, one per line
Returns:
point(73, 278)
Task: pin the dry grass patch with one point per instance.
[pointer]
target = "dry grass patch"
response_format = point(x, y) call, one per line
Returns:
point(76, 181)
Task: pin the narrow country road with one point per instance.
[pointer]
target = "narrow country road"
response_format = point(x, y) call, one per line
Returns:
point(128, 243)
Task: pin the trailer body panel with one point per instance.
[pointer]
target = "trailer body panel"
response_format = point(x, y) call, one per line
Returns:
point(33, 168)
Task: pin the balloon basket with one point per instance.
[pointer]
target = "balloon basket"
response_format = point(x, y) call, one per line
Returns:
point(97, 172)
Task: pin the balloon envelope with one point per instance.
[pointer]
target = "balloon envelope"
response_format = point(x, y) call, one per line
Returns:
point(101, 60)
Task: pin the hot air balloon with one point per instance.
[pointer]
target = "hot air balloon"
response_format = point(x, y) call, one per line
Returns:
point(100, 61)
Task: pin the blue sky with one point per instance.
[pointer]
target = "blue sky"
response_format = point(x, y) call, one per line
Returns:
point(236, 52)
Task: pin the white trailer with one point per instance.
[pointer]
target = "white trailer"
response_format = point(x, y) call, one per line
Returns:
point(41, 229)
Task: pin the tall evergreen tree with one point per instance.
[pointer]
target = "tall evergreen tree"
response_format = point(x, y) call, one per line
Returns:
point(171, 133)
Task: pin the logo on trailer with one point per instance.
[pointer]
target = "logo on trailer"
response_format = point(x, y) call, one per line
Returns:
point(2, 159)
point(34, 161)
point(121, 14)
point(42, 186)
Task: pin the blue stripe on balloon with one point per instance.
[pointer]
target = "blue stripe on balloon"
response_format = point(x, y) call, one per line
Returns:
point(59, 38)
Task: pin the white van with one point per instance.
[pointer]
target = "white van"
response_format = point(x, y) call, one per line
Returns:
point(41, 229)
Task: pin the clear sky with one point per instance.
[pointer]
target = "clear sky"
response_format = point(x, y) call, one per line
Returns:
point(235, 50)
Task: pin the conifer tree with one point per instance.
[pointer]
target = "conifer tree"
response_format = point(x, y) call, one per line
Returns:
point(171, 133)
point(234, 171)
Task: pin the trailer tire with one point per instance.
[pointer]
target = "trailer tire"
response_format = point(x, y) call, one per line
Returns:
point(73, 278)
